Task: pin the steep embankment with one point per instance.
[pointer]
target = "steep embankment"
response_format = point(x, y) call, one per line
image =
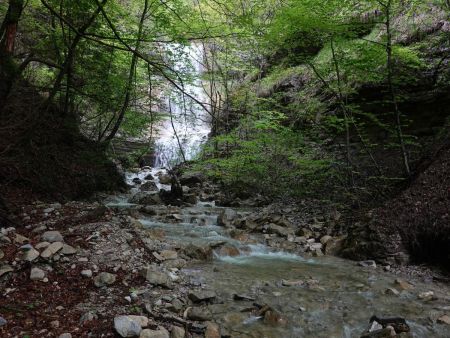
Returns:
point(44, 155)
point(413, 227)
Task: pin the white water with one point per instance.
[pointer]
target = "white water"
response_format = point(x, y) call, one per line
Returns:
point(186, 128)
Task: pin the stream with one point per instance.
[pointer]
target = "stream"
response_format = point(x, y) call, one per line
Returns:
point(316, 297)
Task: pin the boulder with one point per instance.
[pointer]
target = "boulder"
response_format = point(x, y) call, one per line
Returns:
point(146, 198)
point(198, 252)
point(149, 186)
point(228, 250)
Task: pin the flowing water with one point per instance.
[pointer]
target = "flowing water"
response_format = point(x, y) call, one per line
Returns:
point(327, 296)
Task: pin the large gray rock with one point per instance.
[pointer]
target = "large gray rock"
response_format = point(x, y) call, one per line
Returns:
point(156, 277)
point(52, 236)
point(149, 186)
point(30, 255)
point(127, 327)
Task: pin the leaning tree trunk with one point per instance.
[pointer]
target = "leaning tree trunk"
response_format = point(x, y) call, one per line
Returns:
point(8, 31)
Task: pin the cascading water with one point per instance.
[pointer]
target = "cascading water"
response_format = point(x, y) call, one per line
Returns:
point(187, 125)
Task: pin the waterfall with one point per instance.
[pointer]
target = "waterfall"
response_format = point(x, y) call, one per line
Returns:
point(186, 128)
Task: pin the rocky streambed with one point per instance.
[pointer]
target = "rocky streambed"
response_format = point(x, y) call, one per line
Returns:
point(141, 268)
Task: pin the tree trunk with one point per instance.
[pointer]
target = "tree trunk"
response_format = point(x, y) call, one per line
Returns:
point(8, 30)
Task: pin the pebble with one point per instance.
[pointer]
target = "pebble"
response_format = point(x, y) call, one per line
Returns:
point(51, 249)
point(368, 264)
point(65, 335)
point(2, 321)
point(126, 327)
point(86, 273)
point(445, 319)
point(427, 295)
point(177, 332)
point(104, 278)
point(4, 269)
point(42, 245)
point(161, 333)
point(37, 274)
point(30, 255)
point(52, 236)
point(68, 250)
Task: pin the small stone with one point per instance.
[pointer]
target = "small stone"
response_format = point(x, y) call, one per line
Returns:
point(201, 296)
point(37, 274)
point(168, 254)
point(160, 333)
point(141, 320)
point(445, 319)
point(127, 298)
point(404, 285)
point(177, 332)
point(19, 239)
point(52, 236)
point(68, 250)
point(391, 291)
point(54, 324)
point(3, 321)
point(30, 255)
point(87, 317)
point(51, 250)
point(427, 296)
point(104, 278)
point(212, 330)
point(285, 282)
point(86, 273)
point(65, 335)
point(126, 327)
point(2, 254)
point(201, 314)
point(4, 269)
point(368, 264)
point(42, 245)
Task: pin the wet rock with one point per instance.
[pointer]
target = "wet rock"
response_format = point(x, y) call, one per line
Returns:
point(398, 324)
point(146, 198)
point(388, 332)
point(127, 327)
point(212, 330)
point(226, 217)
point(149, 186)
point(202, 314)
point(30, 255)
point(4, 269)
point(156, 277)
point(190, 198)
point(201, 296)
point(149, 177)
point(368, 264)
point(52, 236)
point(37, 274)
point(177, 332)
point(427, 296)
point(165, 179)
point(51, 250)
point(202, 253)
point(137, 180)
point(444, 320)
point(391, 291)
point(104, 279)
point(160, 333)
point(404, 285)
point(240, 297)
point(228, 250)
